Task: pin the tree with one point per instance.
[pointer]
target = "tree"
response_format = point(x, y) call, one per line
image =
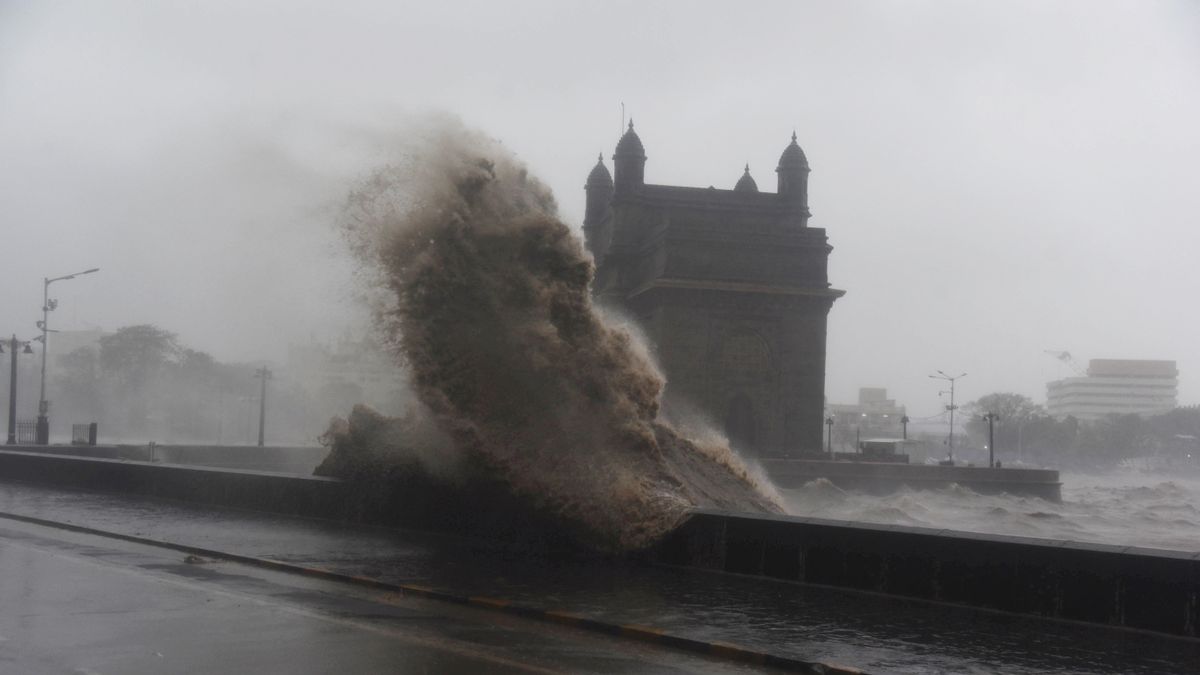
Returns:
point(134, 359)
point(1015, 411)
point(134, 354)
point(1180, 421)
point(187, 399)
point(77, 385)
point(1115, 437)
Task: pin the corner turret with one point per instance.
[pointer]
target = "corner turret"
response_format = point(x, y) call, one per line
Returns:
point(629, 161)
point(793, 179)
point(599, 188)
point(597, 219)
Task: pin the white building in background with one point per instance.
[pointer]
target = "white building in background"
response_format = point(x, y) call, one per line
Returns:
point(1115, 386)
point(873, 415)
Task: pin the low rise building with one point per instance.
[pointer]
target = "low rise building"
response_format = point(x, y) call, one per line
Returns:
point(873, 416)
point(1115, 386)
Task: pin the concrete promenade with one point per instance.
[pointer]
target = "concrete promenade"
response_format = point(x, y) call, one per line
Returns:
point(79, 603)
point(869, 632)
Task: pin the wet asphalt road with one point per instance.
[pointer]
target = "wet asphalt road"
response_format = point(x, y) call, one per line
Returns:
point(88, 605)
point(876, 634)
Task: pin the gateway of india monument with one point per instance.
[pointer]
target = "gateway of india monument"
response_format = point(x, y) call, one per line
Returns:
point(731, 288)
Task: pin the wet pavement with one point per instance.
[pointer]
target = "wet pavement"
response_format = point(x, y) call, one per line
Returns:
point(90, 605)
point(876, 634)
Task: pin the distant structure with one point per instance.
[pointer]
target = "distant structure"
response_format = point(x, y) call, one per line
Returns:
point(873, 416)
point(1115, 386)
point(729, 285)
point(337, 376)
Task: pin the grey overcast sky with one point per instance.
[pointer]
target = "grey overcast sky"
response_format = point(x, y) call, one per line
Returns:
point(997, 178)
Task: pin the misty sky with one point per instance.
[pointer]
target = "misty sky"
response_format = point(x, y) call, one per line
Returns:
point(997, 179)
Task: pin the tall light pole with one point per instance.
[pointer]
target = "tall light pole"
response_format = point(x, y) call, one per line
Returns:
point(264, 375)
point(991, 418)
point(43, 421)
point(13, 344)
point(951, 407)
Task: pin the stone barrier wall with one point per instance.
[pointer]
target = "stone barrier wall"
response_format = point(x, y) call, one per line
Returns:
point(299, 460)
point(258, 490)
point(1146, 589)
point(486, 510)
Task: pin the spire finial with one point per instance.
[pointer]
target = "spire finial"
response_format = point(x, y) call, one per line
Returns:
point(747, 167)
point(631, 124)
point(793, 135)
point(600, 157)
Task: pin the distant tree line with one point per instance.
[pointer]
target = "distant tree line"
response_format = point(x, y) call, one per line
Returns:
point(141, 384)
point(1025, 430)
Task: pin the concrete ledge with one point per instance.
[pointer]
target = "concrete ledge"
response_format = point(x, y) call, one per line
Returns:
point(258, 490)
point(1142, 589)
point(1145, 589)
point(286, 459)
point(485, 510)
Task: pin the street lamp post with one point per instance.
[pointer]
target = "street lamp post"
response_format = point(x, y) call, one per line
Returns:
point(951, 407)
point(904, 426)
point(13, 344)
point(264, 375)
point(43, 420)
point(991, 418)
point(829, 439)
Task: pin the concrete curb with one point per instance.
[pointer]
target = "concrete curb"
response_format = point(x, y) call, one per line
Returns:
point(649, 634)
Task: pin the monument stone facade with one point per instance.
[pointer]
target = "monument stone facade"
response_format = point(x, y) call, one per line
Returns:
point(731, 288)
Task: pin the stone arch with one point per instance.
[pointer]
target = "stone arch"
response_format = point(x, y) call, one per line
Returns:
point(741, 426)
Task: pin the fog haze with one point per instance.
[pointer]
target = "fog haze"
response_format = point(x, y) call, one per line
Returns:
point(997, 179)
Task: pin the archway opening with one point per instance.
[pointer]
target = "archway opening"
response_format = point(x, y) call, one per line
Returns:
point(739, 423)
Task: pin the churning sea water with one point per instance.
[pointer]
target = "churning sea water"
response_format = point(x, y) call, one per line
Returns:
point(1127, 508)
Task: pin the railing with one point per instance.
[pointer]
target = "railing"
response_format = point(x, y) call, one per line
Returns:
point(26, 433)
point(83, 434)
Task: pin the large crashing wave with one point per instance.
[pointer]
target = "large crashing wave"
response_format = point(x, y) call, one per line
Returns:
point(487, 302)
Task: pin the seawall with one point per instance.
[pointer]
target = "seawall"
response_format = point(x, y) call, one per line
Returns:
point(487, 510)
point(286, 459)
point(1147, 589)
point(1144, 589)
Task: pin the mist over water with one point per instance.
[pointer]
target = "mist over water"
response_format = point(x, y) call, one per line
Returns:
point(1123, 508)
point(484, 294)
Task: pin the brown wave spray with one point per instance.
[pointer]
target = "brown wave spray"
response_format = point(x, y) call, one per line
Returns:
point(486, 299)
